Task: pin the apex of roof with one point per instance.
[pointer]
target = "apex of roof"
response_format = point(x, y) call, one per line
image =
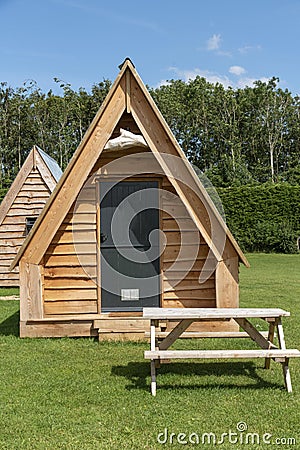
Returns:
point(50, 163)
point(49, 169)
point(124, 62)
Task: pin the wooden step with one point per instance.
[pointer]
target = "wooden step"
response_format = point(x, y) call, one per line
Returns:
point(220, 354)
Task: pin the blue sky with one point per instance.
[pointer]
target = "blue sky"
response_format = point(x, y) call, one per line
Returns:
point(83, 41)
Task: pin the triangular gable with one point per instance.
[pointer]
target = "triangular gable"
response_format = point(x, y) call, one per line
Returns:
point(128, 94)
point(51, 164)
point(36, 159)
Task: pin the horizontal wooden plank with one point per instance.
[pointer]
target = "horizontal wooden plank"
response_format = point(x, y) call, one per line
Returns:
point(186, 265)
point(34, 180)
point(214, 313)
point(173, 275)
point(78, 236)
point(189, 303)
point(21, 217)
point(28, 196)
point(171, 224)
point(183, 238)
point(67, 307)
point(188, 285)
point(9, 283)
point(209, 294)
point(67, 329)
point(11, 228)
point(68, 226)
point(69, 283)
point(83, 208)
point(80, 218)
point(87, 194)
point(18, 221)
point(31, 189)
point(187, 252)
point(9, 275)
point(70, 294)
point(175, 211)
point(130, 165)
point(121, 325)
point(15, 234)
point(8, 250)
point(67, 272)
point(29, 200)
point(28, 205)
point(6, 260)
point(87, 248)
point(69, 261)
point(220, 354)
point(11, 242)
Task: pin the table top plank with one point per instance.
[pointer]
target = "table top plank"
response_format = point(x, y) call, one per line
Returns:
point(212, 313)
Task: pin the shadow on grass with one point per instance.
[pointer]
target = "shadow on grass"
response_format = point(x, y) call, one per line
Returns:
point(139, 375)
point(10, 326)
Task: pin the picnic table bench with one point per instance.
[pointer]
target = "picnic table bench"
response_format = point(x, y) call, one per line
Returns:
point(160, 343)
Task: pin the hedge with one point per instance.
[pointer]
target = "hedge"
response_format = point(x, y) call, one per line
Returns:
point(263, 217)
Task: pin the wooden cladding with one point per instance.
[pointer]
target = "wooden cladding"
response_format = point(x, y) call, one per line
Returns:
point(184, 257)
point(28, 203)
point(70, 281)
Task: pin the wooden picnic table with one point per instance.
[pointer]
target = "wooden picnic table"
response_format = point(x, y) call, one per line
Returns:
point(186, 316)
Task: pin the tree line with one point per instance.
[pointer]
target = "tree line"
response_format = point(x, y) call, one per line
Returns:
point(235, 136)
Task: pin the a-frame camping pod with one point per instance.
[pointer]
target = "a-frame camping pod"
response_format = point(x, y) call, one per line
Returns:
point(129, 225)
point(22, 205)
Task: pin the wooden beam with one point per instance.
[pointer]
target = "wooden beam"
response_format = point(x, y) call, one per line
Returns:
point(254, 334)
point(227, 283)
point(31, 283)
point(128, 77)
point(285, 364)
point(175, 334)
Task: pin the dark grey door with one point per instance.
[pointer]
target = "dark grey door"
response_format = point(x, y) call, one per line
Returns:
point(130, 265)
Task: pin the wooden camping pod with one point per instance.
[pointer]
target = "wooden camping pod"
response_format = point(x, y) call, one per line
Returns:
point(20, 207)
point(65, 264)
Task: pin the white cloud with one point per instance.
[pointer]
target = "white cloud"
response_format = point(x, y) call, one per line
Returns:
point(162, 83)
point(237, 70)
point(214, 42)
point(243, 82)
point(248, 48)
point(211, 77)
point(214, 77)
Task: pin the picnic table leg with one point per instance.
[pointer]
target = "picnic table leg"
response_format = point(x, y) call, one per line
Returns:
point(270, 339)
point(287, 375)
point(285, 365)
point(153, 345)
point(153, 377)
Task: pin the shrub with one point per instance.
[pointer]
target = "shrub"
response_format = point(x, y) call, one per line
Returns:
point(265, 217)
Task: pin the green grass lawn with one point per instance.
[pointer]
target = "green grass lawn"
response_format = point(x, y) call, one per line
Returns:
point(82, 394)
